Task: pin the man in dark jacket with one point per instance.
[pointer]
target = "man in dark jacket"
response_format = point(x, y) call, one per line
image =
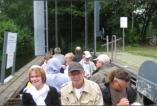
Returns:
point(78, 54)
point(118, 91)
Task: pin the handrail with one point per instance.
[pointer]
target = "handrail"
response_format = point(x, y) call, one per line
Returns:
point(109, 42)
point(113, 47)
point(14, 86)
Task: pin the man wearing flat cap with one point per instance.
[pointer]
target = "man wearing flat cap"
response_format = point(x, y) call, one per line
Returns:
point(80, 91)
point(100, 76)
point(87, 64)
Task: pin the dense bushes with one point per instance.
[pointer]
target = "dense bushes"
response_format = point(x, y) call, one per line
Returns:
point(24, 40)
point(24, 37)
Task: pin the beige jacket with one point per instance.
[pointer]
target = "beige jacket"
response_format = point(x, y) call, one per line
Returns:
point(91, 94)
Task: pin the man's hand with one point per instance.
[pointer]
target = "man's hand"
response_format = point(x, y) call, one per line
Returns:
point(123, 102)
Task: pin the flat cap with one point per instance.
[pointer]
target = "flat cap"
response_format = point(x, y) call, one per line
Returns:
point(103, 58)
point(75, 67)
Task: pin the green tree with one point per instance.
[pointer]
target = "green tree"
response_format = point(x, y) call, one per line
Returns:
point(16, 16)
point(24, 39)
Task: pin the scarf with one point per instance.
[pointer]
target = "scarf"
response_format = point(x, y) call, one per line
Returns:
point(39, 96)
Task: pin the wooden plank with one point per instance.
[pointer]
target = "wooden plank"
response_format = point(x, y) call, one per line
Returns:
point(18, 73)
point(14, 86)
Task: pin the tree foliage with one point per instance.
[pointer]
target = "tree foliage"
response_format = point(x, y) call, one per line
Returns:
point(17, 15)
point(24, 39)
point(141, 14)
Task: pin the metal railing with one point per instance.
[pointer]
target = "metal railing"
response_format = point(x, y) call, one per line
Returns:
point(113, 47)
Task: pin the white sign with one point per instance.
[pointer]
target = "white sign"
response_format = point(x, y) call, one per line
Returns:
point(11, 43)
point(10, 58)
point(123, 22)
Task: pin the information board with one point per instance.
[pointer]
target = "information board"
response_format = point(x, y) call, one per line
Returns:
point(123, 22)
point(11, 42)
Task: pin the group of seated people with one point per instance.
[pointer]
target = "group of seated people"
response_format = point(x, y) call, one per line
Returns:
point(75, 80)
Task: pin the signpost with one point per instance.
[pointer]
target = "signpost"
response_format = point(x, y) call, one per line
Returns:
point(9, 53)
point(123, 24)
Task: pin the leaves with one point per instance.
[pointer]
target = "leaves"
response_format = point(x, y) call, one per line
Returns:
point(17, 15)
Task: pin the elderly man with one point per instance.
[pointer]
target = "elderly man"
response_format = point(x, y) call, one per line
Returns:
point(103, 68)
point(87, 64)
point(78, 54)
point(79, 90)
point(58, 55)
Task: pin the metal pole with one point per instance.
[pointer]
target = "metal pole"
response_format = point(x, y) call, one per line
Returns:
point(95, 3)
point(46, 19)
point(123, 39)
point(13, 67)
point(107, 43)
point(21, 103)
point(115, 46)
point(96, 22)
point(56, 24)
point(4, 56)
point(71, 26)
point(86, 26)
point(112, 49)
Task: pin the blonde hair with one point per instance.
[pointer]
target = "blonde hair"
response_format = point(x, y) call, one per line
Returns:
point(39, 71)
point(69, 55)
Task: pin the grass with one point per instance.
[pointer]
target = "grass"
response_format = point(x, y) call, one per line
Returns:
point(143, 50)
point(150, 51)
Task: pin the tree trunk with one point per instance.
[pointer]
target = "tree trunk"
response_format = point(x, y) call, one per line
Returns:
point(147, 19)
